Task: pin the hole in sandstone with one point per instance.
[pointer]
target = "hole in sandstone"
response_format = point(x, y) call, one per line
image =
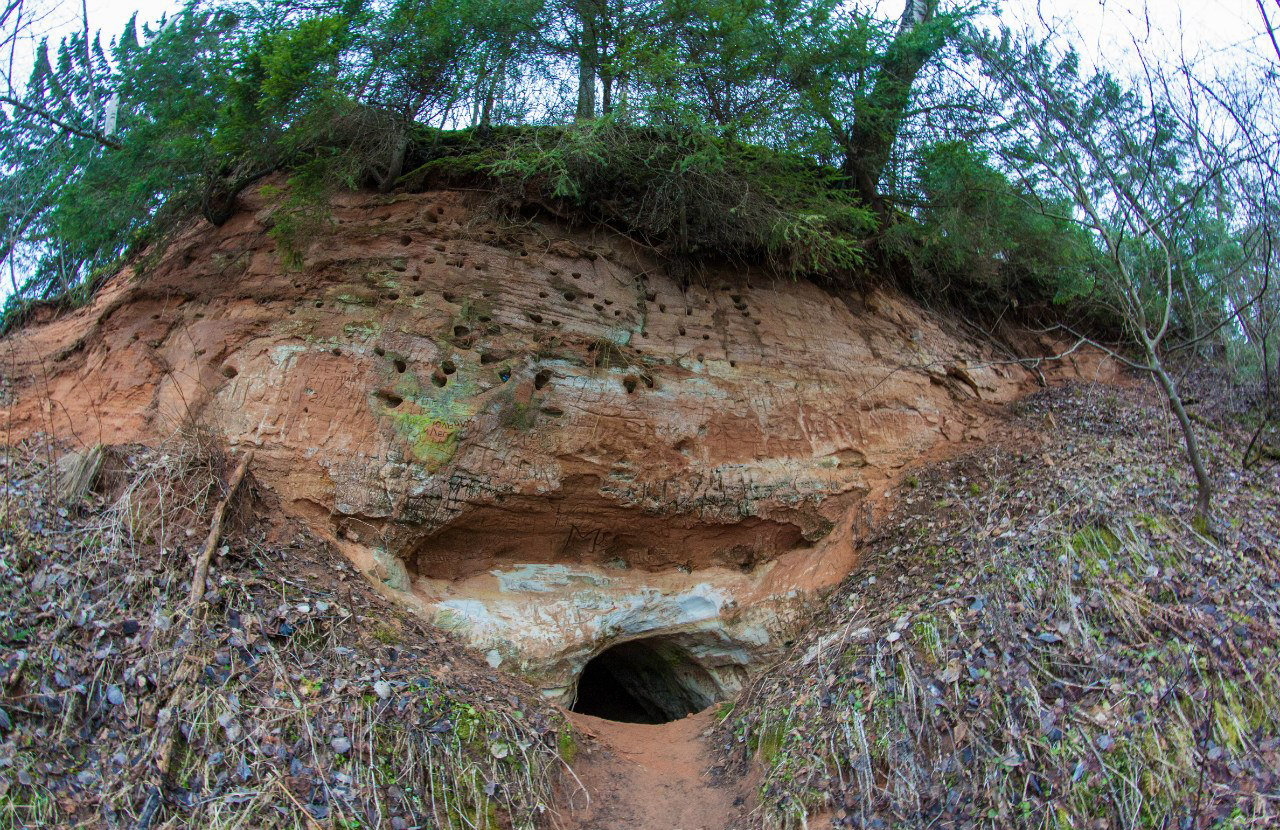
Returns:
point(629, 383)
point(461, 331)
point(653, 680)
point(389, 399)
point(541, 379)
point(438, 378)
point(229, 371)
point(406, 240)
point(379, 351)
point(448, 368)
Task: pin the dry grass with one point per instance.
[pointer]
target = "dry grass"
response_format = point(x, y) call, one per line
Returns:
point(1038, 639)
point(300, 714)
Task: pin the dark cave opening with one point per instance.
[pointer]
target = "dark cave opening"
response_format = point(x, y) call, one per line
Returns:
point(653, 680)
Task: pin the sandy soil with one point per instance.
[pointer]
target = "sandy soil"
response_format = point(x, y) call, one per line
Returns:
point(651, 777)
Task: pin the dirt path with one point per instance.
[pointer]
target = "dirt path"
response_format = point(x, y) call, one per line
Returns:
point(650, 777)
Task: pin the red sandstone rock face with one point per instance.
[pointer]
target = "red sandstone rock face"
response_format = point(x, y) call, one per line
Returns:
point(434, 389)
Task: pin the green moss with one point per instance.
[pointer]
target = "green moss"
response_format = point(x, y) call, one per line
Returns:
point(567, 745)
point(767, 741)
point(357, 297)
point(1095, 542)
point(363, 330)
point(518, 415)
point(385, 634)
point(430, 421)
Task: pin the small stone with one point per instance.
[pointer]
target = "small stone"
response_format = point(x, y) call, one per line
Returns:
point(114, 696)
point(341, 745)
point(894, 636)
point(382, 689)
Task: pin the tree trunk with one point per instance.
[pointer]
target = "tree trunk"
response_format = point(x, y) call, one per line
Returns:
point(486, 112)
point(395, 166)
point(879, 114)
point(587, 59)
point(606, 89)
point(1204, 500)
point(1266, 369)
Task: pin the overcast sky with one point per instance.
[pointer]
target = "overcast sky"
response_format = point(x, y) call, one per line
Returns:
point(1210, 30)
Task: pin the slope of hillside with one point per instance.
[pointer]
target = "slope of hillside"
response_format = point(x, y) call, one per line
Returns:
point(292, 695)
point(1038, 637)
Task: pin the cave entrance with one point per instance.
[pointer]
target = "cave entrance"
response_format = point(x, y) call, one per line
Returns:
point(654, 680)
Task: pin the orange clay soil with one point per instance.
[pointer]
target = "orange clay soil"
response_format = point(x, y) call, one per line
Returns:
point(651, 777)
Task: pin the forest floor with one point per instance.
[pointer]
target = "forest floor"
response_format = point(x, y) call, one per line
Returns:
point(1041, 634)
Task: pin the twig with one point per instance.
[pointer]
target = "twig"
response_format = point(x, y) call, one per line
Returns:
point(215, 532)
point(164, 757)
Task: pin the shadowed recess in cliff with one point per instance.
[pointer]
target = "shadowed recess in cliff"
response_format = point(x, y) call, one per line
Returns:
point(580, 525)
point(653, 680)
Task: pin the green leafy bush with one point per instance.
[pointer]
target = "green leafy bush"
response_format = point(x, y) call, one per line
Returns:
point(979, 237)
point(689, 193)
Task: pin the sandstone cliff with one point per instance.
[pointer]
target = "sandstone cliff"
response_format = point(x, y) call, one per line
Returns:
point(544, 439)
